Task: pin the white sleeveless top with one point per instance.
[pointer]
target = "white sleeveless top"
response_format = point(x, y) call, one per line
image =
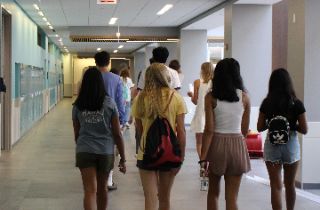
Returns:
point(228, 115)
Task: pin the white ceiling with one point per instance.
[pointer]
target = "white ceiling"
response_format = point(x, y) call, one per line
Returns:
point(63, 14)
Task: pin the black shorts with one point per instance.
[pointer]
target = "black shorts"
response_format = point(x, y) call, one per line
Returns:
point(163, 167)
point(103, 163)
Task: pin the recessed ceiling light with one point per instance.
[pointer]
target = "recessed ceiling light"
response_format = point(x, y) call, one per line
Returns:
point(98, 49)
point(115, 51)
point(60, 40)
point(36, 6)
point(41, 13)
point(49, 24)
point(165, 9)
point(51, 27)
point(113, 20)
point(121, 46)
point(57, 35)
point(45, 19)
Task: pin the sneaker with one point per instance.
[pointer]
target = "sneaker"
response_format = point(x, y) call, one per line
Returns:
point(127, 125)
point(112, 187)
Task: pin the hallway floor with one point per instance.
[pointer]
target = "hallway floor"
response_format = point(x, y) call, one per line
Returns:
point(39, 174)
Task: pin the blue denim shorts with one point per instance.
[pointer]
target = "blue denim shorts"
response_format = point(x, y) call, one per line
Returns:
point(283, 154)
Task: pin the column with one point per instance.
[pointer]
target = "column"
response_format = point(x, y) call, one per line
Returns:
point(248, 39)
point(303, 64)
point(139, 64)
point(193, 52)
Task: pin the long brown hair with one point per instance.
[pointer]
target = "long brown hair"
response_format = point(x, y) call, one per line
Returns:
point(156, 79)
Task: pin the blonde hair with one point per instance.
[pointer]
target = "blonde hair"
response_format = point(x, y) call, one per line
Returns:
point(156, 78)
point(206, 73)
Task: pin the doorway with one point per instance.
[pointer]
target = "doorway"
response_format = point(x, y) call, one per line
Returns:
point(6, 74)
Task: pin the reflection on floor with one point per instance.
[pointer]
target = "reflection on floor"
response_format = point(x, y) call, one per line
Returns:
point(39, 174)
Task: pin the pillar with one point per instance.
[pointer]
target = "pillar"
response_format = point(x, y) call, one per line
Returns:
point(68, 75)
point(303, 65)
point(193, 52)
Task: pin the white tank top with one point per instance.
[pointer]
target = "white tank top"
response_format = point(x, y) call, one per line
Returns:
point(228, 115)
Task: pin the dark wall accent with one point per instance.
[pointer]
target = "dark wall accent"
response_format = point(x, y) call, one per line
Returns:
point(280, 35)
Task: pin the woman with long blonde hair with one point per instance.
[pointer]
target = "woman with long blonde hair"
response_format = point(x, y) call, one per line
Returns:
point(201, 87)
point(157, 99)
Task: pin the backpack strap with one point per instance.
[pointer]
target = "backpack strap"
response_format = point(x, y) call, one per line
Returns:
point(170, 99)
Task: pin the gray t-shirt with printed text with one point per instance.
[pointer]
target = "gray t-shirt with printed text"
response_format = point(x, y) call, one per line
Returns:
point(95, 135)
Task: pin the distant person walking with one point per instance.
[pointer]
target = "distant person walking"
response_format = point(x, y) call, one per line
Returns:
point(175, 65)
point(282, 107)
point(227, 109)
point(127, 87)
point(160, 55)
point(201, 87)
point(113, 87)
point(96, 129)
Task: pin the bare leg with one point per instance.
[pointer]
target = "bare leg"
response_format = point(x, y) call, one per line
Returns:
point(90, 187)
point(165, 183)
point(232, 185)
point(274, 171)
point(290, 171)
point(199, 143)
point(149, 180)
point(102, 190)
point(213, 192)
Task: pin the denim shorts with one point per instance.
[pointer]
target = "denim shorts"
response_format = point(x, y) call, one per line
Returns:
point(283, 154)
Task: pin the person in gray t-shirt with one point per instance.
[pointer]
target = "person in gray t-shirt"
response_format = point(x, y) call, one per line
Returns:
point(96, 128)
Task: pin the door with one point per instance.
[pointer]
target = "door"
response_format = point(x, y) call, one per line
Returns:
point(6, 74)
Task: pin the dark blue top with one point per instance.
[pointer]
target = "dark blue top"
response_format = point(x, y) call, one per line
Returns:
point(113, 86)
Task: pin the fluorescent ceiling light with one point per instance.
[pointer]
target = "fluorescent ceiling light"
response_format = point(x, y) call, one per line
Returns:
point(115, 51)
point(49, 24)
point(173, 40)
point(109, 39)
point(41, 13)
point(36, 6)
point(60, 40)
point(149, 41)
point(121, 46)
point(113, 20)
point(165, 9)
point(45, 19)
point(98, 49)
point(57, 35)
point(51, 27)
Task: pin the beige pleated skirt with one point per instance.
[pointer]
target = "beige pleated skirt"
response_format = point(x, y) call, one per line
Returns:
point(228, 155)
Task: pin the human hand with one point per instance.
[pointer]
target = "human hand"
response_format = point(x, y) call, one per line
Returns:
point(190, 94)
point(204, 168)
point(122, 166)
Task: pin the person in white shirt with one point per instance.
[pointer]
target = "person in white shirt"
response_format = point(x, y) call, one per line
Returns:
point(160, 55)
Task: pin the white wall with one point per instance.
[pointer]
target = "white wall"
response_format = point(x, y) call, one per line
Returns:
point(79, 65)
point(193, 52)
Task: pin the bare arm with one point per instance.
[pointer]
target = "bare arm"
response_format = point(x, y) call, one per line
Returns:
point(116, 132)
point(181, 134)
point(195, 95)
point(210, 104)
point(261, 124)
point(76, 129)
point(246, 115)
point(302, 126)
point(139, 127)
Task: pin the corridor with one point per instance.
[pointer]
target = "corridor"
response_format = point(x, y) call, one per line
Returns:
point(39, 174)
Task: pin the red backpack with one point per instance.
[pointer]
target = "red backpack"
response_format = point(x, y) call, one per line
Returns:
point(162, 147)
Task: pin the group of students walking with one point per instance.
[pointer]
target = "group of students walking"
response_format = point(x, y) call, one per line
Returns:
point(221, 123)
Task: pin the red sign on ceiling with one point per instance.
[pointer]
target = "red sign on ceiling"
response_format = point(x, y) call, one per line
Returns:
point(106, 1)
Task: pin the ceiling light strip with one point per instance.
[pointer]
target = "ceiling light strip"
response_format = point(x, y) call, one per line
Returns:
point(113, 21)
point(165, 9)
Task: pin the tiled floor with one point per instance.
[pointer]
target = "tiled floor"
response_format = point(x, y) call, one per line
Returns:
point(39, 174)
